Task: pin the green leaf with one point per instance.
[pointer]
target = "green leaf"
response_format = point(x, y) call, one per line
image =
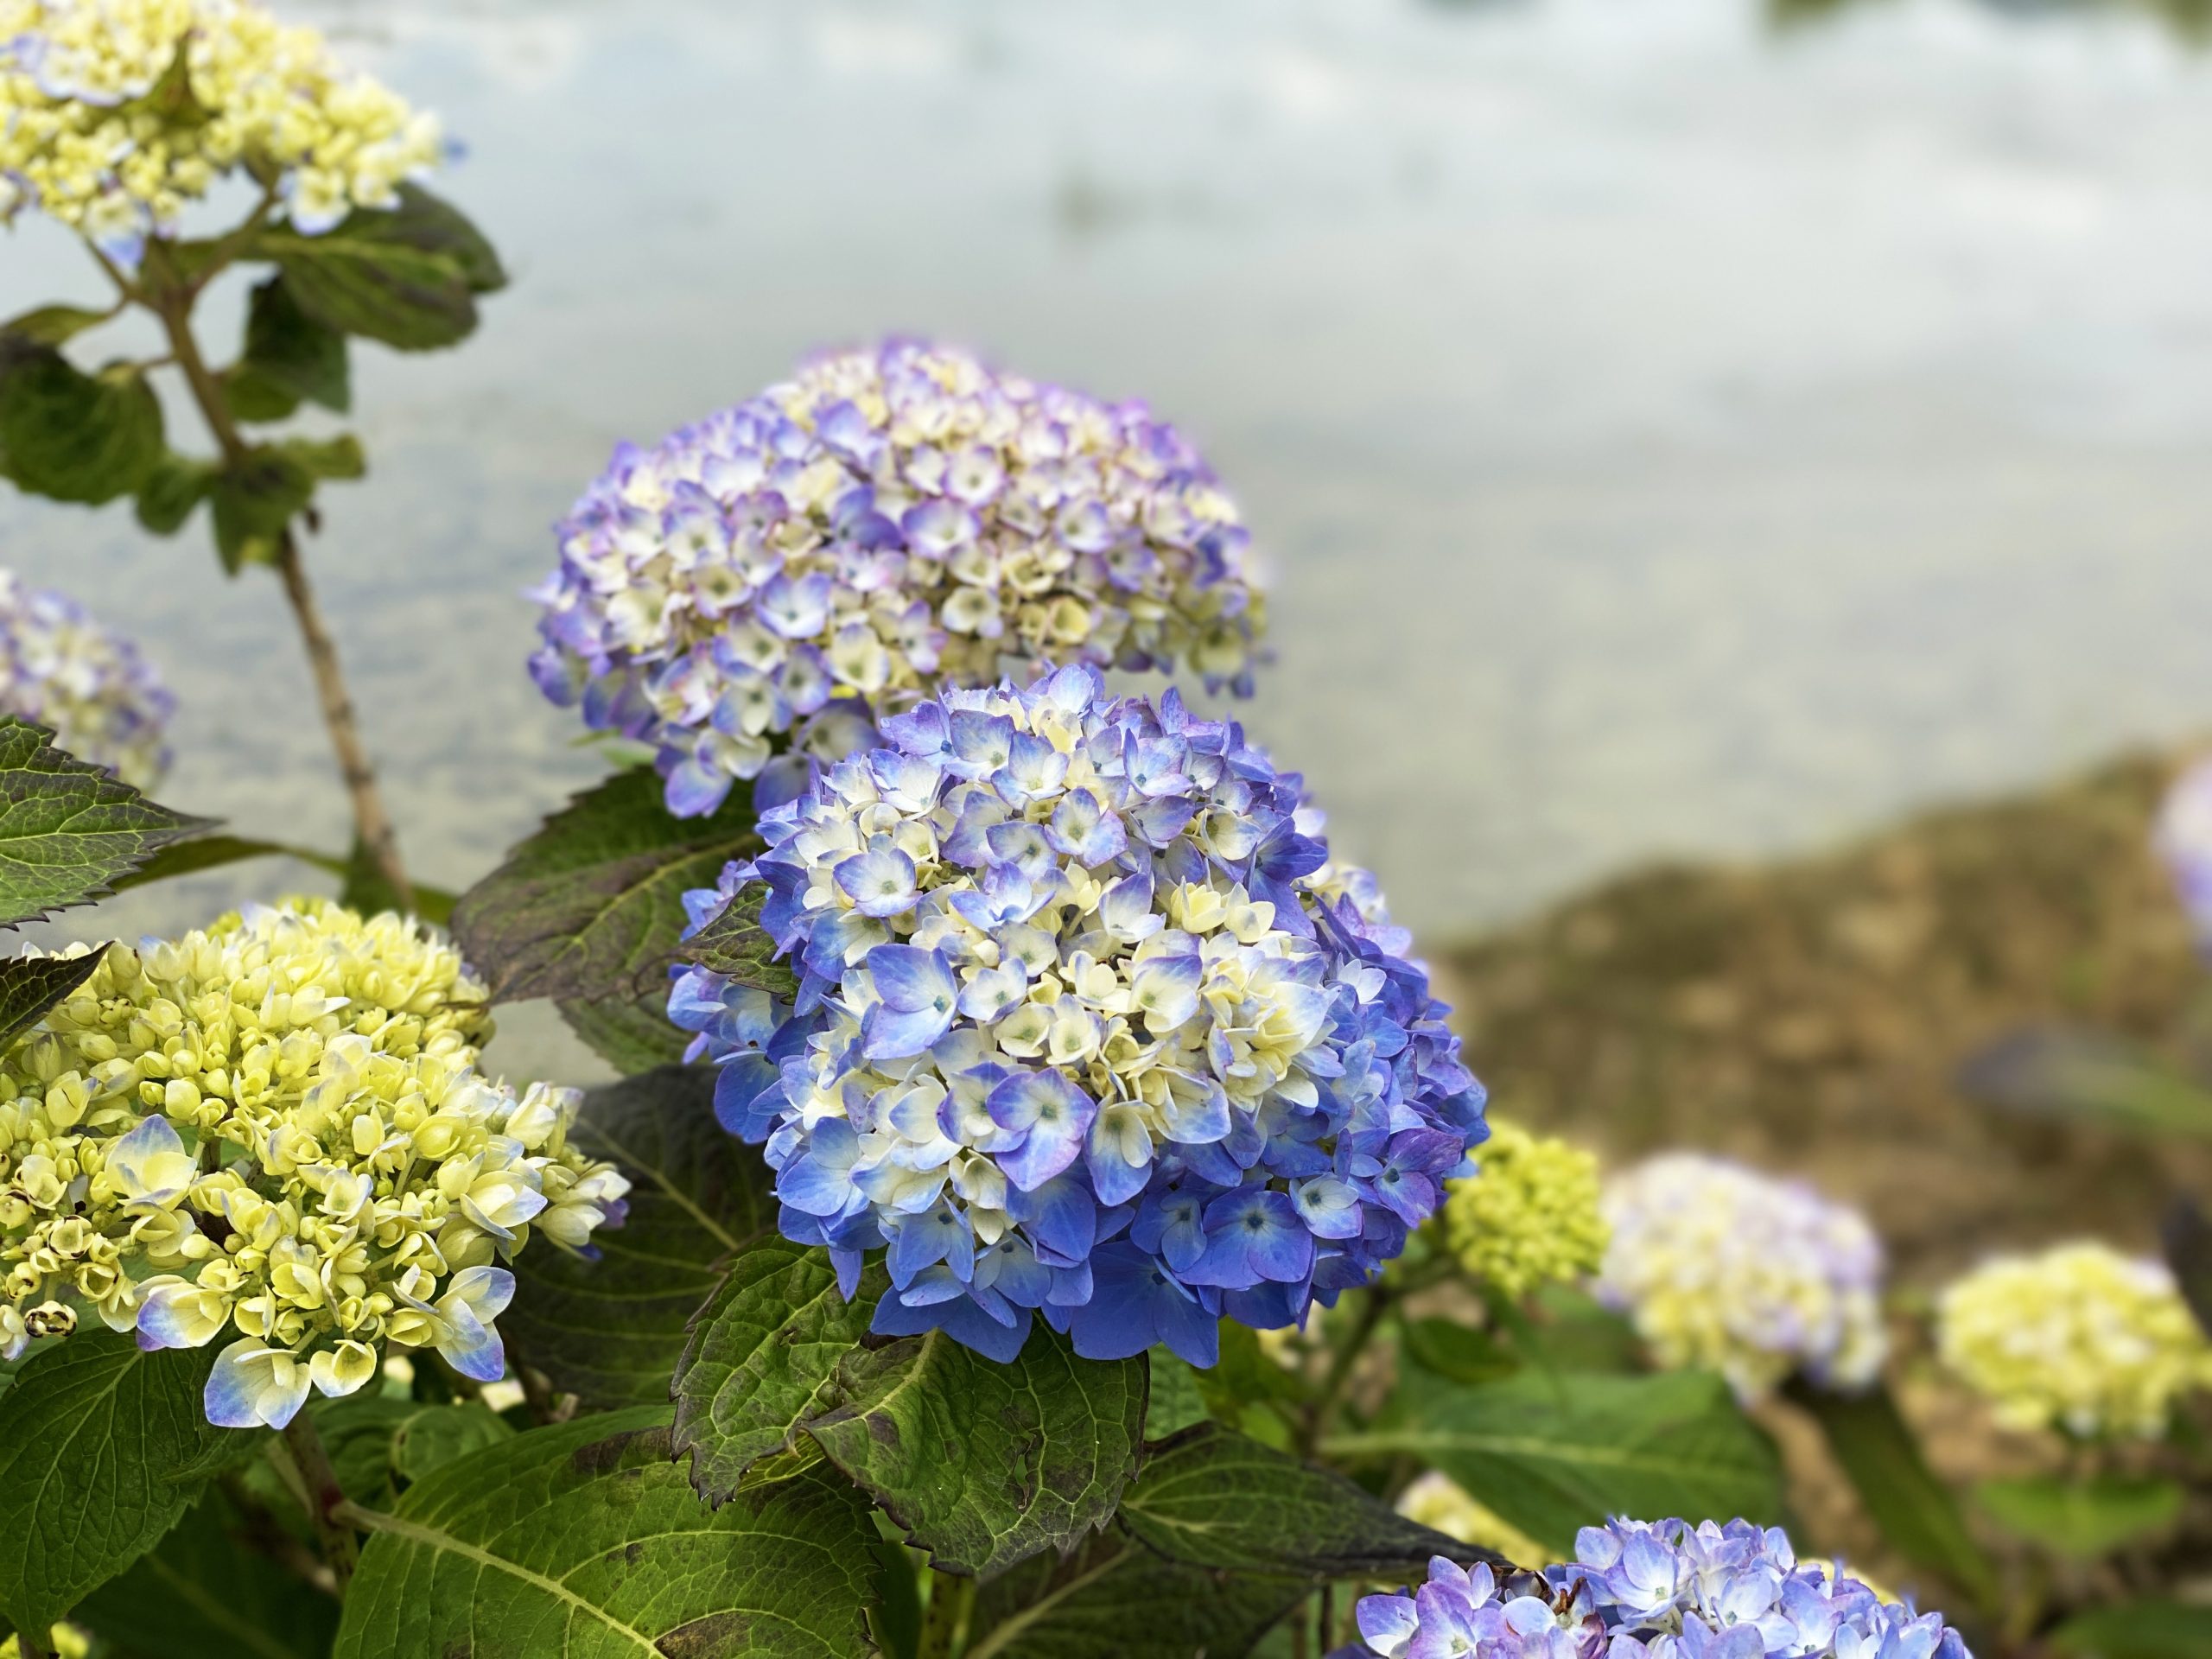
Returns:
point(92, 1429)
point(2141, 1629)
point(406, 276)
point(2082, 1518)
point(1115, 1599)
point(984, 1463)
point(70, 435)
point(761, 1358)
point(733, 944)
point(211, 852)
point(1564, 1329)
point(256, 499)
point(1552, 1453)
point(290, 358)
point(590, 906)
point(207, 1593)
point(632, 1036)
point(2088, 1077)
point(1212, 1497)
point(339, 457)
point(30, 986)
point(437, 1435)
point(1456, 1352)
point(55, 325)
point(611, 1331)
point(173, 487)
point(1174, 1402)
point(67, 831)
point(2185, 1233)
point(585, 1540)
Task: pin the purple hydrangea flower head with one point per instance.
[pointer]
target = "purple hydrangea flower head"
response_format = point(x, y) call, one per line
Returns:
point(750, 594)
point(90, 686)
point(1662, 1590)
point(1087, 1028)
point(2183, 839)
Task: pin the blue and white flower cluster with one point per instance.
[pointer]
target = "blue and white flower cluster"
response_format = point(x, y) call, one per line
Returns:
point(746, 595)
point(2183, 839)
point(1087, 1028)
point(87, 685)
point(1663, 1591)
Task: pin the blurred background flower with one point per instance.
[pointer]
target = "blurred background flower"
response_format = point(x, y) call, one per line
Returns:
point(88, 685)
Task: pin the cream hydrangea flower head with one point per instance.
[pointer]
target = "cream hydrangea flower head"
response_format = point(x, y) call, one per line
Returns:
point(2080, 1337)
point(276, 1127)
point(1528, 1217)
point(114, 114)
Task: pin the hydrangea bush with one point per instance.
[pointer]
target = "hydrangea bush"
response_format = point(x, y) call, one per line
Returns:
point(91, 686)
point(748, 593)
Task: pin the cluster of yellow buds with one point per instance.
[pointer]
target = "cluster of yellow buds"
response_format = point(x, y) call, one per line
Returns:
point(277, 1125)
point(1528, 1217)
point(2079, 1338)
point(114, 116)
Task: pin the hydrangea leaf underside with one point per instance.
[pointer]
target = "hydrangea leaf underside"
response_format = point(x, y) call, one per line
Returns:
point(407, 276)
point(69, 831)
point(93, 1429)
point(585, 1540)
point(610, 1330)
point(1115, 1599)
point(1213, 1499)
point(592, 906)
point(70, 435)
point(631, 1035)
point(763, 1358)
point(205, 1594)
point(30, 985)
point(985, 1465)
point(1552, 1453)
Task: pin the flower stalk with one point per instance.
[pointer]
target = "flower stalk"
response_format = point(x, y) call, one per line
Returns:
point(341, 1548)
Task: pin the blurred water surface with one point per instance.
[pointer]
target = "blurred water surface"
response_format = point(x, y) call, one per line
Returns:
point(1669, 435)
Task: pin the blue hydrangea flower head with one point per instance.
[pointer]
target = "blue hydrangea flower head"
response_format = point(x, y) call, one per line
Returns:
point(749, 593)
point(1666, 1589)
point(84, 682)
point(1088, 1029)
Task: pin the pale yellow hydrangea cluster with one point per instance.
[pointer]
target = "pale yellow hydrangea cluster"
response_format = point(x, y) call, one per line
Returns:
point(1435, 1500)
point(277, 1125)
point(115, 114)
point(1528, 1217)
point(2080, 1337)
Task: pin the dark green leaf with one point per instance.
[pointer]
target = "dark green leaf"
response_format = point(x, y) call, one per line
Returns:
point(611, 1331)
point(30, 985)
point(91, 1427)
point(290, 358)
point(2083, 1518)
point(1551, 1452)
point(629, 1036)
point(172, 488)
point(733, 944)
point(437, 1435)
point(2141, 1629)
point(591, 906)
point(584, 1539)
point(1115, 1599)
point(255, 499)
point(1564, 1329)
point(1173, 1402)
point(1914, 1511)
point(983, 1464)
point(69, 831)
point(1457, 1353)
point(1213, 1499)
point(211, 852)
point(762, 1355)
point(357, 1431)
point(70, 435)
point(406, 276)
point(55, 325)
point(2088, 1076)
point(366, 888)
point(207, 1593)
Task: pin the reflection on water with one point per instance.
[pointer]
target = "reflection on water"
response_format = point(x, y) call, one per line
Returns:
point(1668, 436)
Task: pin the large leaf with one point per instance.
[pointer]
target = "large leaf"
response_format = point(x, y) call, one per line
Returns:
point(611, 1331)
point(290, 358)
point(2140, 1629)
point(1115, 1599)
point(2083, 1518)
point(30, 985)
point(734, 945)
point(762, 1359)
point(632, 1036)
point(591, 906)
point(2089, 1077)
point(1914, 1511)
point(69, 831)
point(93, 1432)
point(983, 1464)
point(1555, 1453)
point(407, 276)
point(71, 435)
point(1211, 1497)
point(207, 1593)
point(585, 1540)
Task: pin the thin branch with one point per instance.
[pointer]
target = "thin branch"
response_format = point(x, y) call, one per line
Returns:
point(342, 1549)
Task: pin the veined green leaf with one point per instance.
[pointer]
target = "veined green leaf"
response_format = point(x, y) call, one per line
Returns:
point(1173, 1402)
point(1113, 1599)
point(734, 945)
point(69, 831)
point(290, 358)
point(631, 1035)
point(172, 488)
point(407, 276)
point(205, 1593)
point(31, 986)
point(70, 435)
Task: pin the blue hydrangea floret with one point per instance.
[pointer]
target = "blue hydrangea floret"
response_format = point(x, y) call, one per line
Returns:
point(1088, 1028)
